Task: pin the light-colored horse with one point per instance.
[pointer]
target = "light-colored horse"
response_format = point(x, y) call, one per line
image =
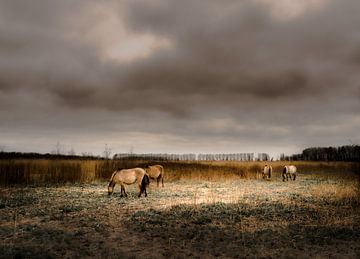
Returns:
point(156, 172)
point(289, 171)
point(127, 177)
point(267, 172)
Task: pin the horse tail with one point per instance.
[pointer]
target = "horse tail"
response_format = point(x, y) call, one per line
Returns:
point(162, 175)
point(270, 171)
point(162, 171)
point(284, 173)
point(145, 181)
point(295, 172)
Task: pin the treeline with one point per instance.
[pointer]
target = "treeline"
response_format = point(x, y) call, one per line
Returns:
point(14, 155)
point(194, 157)
point(146, 156)
point(343, 153)
point(155, 156)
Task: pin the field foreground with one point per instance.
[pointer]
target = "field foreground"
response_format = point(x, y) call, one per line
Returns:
point(312, 217)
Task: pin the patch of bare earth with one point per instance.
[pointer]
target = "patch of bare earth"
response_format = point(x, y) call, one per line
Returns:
point(311, 217)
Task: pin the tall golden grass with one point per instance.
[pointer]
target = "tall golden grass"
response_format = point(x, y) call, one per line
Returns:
point(39, 172)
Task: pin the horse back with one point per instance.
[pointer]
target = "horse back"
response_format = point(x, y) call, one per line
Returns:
point(289, 169)
point(267, 169)
point(292, 169)
point(129, 176)
point(155, 171)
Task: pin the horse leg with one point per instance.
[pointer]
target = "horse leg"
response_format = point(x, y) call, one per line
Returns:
point(125, 192)
point(157, 181)
point(294, 177)
point(140, 190)
point(122, 190)
point(162, 180)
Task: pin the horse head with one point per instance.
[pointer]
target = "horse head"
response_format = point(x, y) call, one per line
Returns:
point(111, 188)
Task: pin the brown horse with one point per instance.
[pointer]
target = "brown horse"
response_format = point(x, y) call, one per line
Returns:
point(127, 177)
point(267, 172)
point(156, 172)
point(289, 171)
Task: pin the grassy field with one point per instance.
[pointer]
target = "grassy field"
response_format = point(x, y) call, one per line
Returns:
point(199, 213)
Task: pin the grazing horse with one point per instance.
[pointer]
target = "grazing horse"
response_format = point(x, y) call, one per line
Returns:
point(156, 172)
point(129, 176)
point(288, 172)
point(267, 171)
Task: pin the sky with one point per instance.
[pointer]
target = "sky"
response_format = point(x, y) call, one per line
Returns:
point(190, 76)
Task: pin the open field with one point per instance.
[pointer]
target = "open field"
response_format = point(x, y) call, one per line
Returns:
point(317, 215)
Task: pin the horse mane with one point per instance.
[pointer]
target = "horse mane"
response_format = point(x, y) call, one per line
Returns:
point(112, 176)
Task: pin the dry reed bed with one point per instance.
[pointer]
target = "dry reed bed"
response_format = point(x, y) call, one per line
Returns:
point(42, 172)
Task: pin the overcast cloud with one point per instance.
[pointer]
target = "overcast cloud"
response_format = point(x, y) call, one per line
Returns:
point(179, 76)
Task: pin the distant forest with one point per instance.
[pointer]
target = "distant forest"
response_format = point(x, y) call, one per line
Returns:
point(13, 155)
point(343, 153)
point(350, 153)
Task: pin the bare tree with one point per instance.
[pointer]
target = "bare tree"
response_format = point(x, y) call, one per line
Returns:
point(87, 154)
point(71, 152)
point(58, 149)
point(107, 151)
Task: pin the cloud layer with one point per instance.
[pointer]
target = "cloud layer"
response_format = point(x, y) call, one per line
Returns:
point(179, 76)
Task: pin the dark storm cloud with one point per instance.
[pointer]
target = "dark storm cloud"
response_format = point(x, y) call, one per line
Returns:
point(239, 50)
point(218, 49)
point(228, 69)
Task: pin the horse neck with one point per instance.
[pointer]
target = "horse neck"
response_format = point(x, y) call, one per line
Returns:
point(112, 183)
